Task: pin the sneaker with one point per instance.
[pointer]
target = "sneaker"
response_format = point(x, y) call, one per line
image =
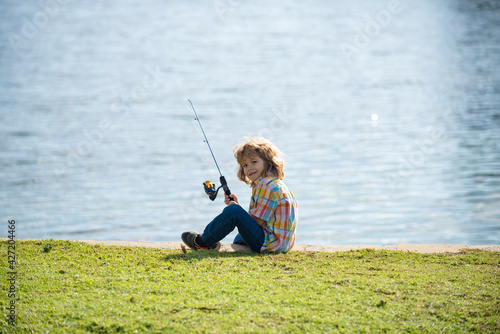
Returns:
point(188, 239)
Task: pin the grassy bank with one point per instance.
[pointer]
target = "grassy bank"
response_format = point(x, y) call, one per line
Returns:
point(68, 287)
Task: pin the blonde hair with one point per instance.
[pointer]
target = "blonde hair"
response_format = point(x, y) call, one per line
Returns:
point(267, 151)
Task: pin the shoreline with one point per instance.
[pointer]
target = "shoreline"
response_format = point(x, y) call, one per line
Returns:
point(300, 247)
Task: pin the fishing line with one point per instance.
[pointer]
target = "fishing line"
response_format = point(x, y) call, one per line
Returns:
point(209, 185)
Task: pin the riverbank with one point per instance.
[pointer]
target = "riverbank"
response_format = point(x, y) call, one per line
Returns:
point(302, 247)
point(108, 287)
point(227, 247)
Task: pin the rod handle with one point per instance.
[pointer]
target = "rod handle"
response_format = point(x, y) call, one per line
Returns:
point(225, 187)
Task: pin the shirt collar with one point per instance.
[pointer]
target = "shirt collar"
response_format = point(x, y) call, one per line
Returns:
point(261, 179)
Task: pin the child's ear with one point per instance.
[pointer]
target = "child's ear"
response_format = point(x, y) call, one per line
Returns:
point(267, 167)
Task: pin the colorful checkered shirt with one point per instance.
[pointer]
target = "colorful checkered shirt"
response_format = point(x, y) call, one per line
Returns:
point(272, 202)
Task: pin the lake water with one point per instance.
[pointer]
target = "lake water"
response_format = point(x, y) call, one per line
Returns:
point(388, 111)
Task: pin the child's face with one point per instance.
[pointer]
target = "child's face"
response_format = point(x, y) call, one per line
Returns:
point(253, 167)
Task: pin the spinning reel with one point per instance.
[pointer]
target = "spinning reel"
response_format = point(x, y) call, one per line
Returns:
point(212, 192)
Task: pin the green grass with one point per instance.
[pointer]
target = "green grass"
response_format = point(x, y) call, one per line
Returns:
point(69, 287)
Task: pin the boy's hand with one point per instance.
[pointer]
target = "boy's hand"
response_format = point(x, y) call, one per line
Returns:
point(232, 199)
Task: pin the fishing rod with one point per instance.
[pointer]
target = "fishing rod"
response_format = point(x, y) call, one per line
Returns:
point(209, 185)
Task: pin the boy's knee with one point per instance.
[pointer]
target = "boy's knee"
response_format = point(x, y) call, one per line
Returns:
point(232, 208)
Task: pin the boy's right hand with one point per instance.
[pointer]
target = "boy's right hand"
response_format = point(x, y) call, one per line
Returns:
point(233, 198)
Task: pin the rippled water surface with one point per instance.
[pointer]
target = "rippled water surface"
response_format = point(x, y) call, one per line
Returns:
point(389, 113)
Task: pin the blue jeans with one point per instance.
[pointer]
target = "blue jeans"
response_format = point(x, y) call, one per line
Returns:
point(233, 215)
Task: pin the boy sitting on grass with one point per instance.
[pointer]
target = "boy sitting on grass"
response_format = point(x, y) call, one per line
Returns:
point(270, 223)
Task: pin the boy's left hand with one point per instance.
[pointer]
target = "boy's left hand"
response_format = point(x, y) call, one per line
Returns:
point(233, 198)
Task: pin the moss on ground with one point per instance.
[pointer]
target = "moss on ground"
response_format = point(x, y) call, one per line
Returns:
point(71, 287)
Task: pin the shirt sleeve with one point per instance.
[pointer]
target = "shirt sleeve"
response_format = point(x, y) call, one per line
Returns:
point(264, 203)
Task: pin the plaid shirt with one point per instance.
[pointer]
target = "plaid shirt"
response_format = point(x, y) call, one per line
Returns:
point(272, 202)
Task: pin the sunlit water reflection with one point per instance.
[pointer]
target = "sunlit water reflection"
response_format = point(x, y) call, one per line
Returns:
point(391, 138)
